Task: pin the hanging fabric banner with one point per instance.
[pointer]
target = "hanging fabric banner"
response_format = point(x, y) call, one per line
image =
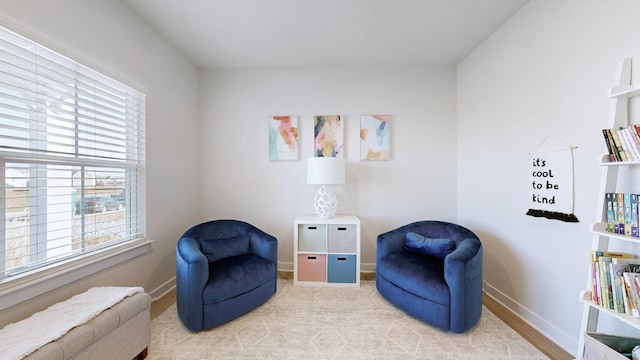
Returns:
point(551, 180)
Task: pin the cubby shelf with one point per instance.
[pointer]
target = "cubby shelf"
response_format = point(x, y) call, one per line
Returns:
point(326, 252)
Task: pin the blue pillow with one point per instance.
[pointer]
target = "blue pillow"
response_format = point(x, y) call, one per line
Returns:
point(216, 249)
point(438, 248)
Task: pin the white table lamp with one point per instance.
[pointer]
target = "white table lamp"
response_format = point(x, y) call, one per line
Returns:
point(325, 171)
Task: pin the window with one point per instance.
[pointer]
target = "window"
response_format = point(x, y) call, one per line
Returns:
point(72, 160)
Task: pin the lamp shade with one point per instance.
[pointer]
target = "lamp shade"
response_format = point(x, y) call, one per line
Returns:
point(325, 170)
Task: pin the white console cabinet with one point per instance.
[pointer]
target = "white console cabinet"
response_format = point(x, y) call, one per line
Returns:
point(326, 251)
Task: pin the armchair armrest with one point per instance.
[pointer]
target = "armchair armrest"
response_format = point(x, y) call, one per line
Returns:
point(390, 242)
point(192, 273)
point(465, 251)
point(263, 244)
point(463, 275)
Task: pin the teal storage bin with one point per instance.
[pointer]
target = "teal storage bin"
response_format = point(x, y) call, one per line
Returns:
point(341, 269)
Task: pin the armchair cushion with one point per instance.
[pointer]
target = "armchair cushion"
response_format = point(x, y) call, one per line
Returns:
point(418, 275)
point(216, 249)
point(422, 245)
point(236, 275)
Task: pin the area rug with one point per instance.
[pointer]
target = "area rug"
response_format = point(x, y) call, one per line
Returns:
point(333, 323)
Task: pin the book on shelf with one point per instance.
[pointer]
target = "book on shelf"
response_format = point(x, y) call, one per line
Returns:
point(636, 128)
point(634, 140)
point(636, 283)
point(605, 281)
point(614, 155)
point(631, 293)
point(622, 214)
point(611, 220)
point(627, 213)
point(618, 144)
point(623, 143)
point(595, 284)
point(617, 285)
point(601, 284)
point(634, 215)
point(625, 286)
point(618, 207)
point(628, 143)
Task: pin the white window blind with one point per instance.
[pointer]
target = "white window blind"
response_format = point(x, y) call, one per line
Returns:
point(72, 159)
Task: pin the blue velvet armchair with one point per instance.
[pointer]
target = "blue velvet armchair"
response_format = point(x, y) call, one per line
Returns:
point(224, 269)
point(432, 270)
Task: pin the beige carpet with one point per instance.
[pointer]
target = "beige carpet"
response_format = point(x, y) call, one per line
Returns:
point(333, 323)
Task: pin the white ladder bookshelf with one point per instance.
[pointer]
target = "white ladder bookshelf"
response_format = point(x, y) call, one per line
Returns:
point(619, 94)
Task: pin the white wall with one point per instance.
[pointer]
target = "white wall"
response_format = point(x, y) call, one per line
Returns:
point(105, 35)
point(547, 71)
point(239, 181)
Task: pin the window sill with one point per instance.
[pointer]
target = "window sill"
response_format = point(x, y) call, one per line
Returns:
point(16, 291)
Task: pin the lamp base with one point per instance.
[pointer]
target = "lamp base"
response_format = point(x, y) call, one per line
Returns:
point(326, 202)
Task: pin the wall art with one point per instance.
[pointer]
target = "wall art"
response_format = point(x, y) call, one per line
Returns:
point(374, 137)
point(551, 181)
point(328, 131)
point(283, 138)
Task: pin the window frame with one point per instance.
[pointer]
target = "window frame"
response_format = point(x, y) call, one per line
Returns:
point(47, 277)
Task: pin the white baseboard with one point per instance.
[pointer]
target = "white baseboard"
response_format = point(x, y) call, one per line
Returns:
point(285, 266)
point(567, 342)
point(163, 289)
point(368, 267)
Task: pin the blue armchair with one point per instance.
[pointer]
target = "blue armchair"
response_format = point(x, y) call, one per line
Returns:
point(432, 270)
point(224, 269)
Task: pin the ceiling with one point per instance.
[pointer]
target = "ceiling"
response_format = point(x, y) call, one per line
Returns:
point(224, 34)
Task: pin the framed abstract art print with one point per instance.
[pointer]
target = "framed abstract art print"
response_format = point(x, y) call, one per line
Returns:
point(283, 138)
point(328, 132)
point(374, 137)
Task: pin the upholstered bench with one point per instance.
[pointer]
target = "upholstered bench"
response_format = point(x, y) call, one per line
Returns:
point(102, 323)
